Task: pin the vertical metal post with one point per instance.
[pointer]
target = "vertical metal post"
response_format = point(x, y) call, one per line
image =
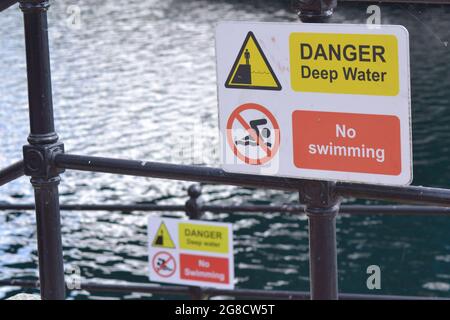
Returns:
point(194, 211)
point(315, 10)
point(322, 205)
point(43, 144)
point(193, 205)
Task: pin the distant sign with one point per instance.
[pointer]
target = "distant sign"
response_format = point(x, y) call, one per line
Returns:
point(191, 252)
point(315, 101)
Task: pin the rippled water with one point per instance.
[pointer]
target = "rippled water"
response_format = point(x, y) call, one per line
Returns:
point(136, 79)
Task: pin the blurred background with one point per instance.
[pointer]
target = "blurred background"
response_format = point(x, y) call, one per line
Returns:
point(136, 79)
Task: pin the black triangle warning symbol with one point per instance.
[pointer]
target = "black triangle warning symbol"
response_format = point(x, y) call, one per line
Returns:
point(251, 70)
point(162, 238)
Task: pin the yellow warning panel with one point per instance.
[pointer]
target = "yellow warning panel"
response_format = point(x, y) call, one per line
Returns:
point(162, 238)
point(211, 238)
point(251, 70)
point(344, 63)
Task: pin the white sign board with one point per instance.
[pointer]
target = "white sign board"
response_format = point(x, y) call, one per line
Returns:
point(315, 101)
point(191, 252)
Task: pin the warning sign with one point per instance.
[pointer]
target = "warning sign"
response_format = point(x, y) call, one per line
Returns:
point(338, 108)
point(162, 238)
point(251, 70)
point(201, 255)
point(253, 133)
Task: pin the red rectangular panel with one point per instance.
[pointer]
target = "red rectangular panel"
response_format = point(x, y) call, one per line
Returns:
point(204, 268)
point(348, 142)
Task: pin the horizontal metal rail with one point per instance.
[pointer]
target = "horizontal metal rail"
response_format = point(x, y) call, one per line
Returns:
point(208, 292)
point(401, 1)
point(396, 210)
point(99, 207)
point(4, 4)
point(172, 171)
point(11, 173)
point(410, 194)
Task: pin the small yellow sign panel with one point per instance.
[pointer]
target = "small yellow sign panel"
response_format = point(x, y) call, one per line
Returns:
point(162, 238)
point(364, 64)
point(209, 238)
point(251, 70)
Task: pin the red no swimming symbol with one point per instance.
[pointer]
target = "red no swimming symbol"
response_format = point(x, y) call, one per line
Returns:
point(269, 150)
point(164, 264)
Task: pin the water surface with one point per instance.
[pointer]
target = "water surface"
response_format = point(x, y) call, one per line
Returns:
point(136, 78)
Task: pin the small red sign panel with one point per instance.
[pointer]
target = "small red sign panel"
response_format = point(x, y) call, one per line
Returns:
point(347, 142)
point(204, 268)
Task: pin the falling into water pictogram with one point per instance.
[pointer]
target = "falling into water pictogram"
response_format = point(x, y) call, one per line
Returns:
point(162, 238)
point(251, 69)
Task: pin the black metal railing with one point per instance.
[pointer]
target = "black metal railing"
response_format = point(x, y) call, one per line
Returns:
point(44, 160)
point(194, 207)
point(206, 293)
